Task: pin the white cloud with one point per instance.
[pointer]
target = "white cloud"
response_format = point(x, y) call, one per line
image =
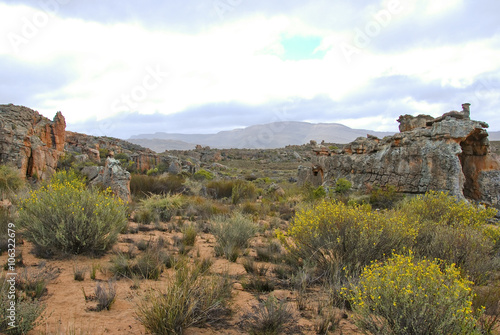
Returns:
point(235, 60)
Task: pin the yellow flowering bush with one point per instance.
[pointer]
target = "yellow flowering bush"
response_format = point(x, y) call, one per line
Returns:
point(350, 236)
point(434, 225)
point(441, 208)
point(455, 231)
point(406, 296)
point(65, 216)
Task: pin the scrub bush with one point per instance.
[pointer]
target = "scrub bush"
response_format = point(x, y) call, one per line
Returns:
point(232, 234)
point(193, 297)
point(406, 296)
point(66, 217)
point(350, 237)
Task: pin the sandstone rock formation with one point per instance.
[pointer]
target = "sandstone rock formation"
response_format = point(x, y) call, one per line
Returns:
point(110, 175)
point(143, 158)
point(450, 153)
point(30, 141)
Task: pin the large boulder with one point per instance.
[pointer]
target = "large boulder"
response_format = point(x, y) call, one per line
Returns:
point(30, 141)
point(451, 153)
point(110, 175)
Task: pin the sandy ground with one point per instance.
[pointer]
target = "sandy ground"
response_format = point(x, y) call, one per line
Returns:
point(68, 312)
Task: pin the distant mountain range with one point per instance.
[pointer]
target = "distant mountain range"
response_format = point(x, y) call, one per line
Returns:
point(264, 136)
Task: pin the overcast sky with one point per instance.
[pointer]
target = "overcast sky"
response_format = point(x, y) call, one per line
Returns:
point(121, 68)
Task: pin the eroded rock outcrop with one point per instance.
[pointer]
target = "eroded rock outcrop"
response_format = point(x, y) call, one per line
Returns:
point(30, 141)
point(110, 175)
point(92, 146)
point(450, 153)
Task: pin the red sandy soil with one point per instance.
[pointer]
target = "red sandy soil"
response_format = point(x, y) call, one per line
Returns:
point(67, 311)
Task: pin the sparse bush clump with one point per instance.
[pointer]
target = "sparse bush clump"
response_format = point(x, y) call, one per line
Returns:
point(189, 235)
point(232, 234)
point(159, 208)
point(242, 190)
point(236, 190)
point(10, 181)
point(203, 175)
point(26, 313)
point(66, 217)
point(384, 197)
point(30, 287)
point(342, 186)
point(192, 297)
point(203, 208)
point(406, 296)
point(270, 317)
point(149, 265)
point(143, 185)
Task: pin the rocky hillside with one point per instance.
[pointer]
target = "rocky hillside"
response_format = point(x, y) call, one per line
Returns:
point(94, 147)
point(34, 144)
point(29, 141)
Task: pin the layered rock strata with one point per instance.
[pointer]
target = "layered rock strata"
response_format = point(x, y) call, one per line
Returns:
point(450, 153)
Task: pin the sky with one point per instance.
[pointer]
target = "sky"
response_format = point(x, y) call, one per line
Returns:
point(122, 68)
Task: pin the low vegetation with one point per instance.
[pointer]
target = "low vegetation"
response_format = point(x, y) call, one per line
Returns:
point(377, 262)
point(192, 297)
point(407, 296)
point(65, 217)
point(232, 234)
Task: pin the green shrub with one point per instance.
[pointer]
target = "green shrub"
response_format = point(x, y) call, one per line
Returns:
point(160, 207)
point(342, 185)
point(454, 231)
point(384, 197)
point(192, 297)
point(149, 265)
point(232, 233)
point(221, 188)
point(331, 232)
point(122, 156)
point(319, 193)
point(189, 235)
point(27, 312)
point(144, 216)
point(249, 207)
point(203, 175)
point(406, 296)
point(202, 207)
point(258, 284)
point(10, 181)
point(443, 209)
point(242, 190)
point(434, 225)
point(66, 217)
point(234, 189)
point(143, 185)
point(470, 249)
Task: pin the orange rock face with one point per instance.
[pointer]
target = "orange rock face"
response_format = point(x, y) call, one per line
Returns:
point(30, 141)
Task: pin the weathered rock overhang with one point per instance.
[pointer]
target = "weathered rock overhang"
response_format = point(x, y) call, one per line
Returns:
point(450, 153)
